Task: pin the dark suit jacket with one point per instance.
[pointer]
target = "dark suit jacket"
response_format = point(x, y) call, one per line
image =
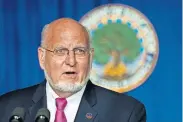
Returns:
point(103, 104)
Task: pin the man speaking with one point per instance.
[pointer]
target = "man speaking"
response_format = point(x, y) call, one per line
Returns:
point(65, 55)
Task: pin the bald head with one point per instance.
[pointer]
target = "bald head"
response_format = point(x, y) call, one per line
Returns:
point(64, 28)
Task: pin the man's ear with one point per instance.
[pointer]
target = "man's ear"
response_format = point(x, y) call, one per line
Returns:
point(92, 53)
point(41, 57)
point(91, 56)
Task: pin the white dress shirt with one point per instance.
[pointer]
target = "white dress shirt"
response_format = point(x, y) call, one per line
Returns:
point(71, 107)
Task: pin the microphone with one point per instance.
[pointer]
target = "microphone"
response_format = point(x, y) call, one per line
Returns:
point(43, 115)
point(17, 115)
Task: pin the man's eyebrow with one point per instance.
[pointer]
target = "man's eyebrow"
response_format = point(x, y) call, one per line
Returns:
point(79, 46)
point(57, 47)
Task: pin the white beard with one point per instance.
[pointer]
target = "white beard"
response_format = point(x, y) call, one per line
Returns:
point(66, 86)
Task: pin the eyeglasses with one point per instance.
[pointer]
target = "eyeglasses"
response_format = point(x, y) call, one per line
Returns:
point(79, 52)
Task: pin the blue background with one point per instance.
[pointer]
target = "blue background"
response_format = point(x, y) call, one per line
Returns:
point(21, 22)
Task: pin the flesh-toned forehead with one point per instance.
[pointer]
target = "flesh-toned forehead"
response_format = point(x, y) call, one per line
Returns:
point(66, 29)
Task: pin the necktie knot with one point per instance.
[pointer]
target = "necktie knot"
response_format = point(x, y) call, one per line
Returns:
point(61, 103)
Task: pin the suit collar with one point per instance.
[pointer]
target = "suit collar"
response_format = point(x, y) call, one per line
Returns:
point(90, 94)
point(40, 92)
point(86, 111)
point(89, 91)
point(38, 101)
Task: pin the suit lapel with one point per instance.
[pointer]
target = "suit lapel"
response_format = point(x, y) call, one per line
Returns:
point(39, 101)
point(86, 111)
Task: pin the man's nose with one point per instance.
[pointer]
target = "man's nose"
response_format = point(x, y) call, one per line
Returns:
point(70, 59)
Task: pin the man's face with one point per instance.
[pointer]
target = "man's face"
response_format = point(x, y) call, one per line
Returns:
point(69, 69)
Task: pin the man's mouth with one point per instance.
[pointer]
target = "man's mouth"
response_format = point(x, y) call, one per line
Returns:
point(70, 74)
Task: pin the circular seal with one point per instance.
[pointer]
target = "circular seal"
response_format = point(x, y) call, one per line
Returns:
point(125, 46)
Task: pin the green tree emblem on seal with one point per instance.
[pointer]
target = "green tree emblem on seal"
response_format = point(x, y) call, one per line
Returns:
point(115, 45)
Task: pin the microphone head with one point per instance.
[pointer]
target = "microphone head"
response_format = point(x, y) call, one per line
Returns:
point(43, 114)
point(18, 113)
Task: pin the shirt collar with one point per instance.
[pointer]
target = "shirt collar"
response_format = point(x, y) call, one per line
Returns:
point(72, 98)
